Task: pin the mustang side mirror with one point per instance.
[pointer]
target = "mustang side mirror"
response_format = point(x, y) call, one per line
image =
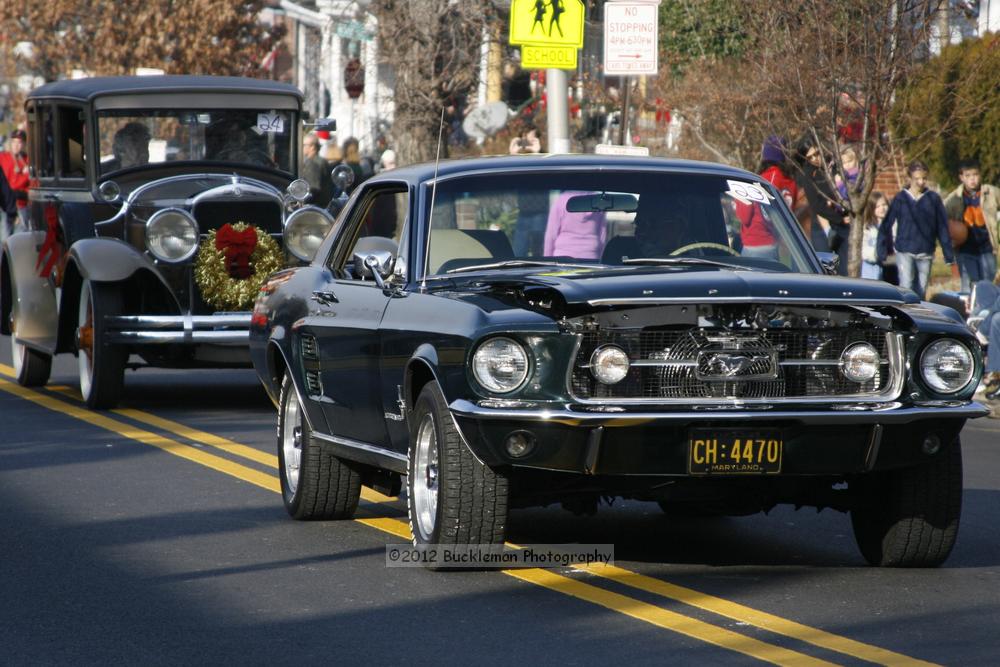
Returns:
point(830, 262)
point(375, 264)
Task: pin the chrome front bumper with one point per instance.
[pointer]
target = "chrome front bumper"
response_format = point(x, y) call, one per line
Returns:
point(227, 329)
point(589, 416)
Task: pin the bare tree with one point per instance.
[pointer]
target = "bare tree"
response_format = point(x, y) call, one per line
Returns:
point(106, 37)
point(434, 47)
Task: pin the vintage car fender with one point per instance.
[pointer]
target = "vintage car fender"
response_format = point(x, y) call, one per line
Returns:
point(424, 360)
point(108, 260)
point(35, 295)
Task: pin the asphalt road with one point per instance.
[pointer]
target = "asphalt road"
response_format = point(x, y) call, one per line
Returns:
point(155, 535)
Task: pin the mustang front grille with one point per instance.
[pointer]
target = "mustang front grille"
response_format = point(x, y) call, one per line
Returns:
point(720, 364)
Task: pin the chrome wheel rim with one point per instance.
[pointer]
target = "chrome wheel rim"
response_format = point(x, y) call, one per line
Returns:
point(85, 339)
point(425, 476)
point(291, 442)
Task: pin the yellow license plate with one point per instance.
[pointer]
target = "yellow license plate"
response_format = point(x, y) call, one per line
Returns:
point(734, 452)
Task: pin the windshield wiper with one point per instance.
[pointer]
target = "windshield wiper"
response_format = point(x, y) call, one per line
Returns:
point(690, 261)
point(519, 263)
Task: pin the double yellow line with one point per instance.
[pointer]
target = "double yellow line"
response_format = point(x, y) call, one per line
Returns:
point(574, 587)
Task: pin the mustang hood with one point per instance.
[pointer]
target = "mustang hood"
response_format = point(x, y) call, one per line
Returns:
point(604, 287)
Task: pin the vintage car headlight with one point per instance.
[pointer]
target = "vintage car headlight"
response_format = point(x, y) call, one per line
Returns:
point(172, 235)
point(500, 365)
point(947, 366)
point(859, 362)
point(609, 364)
point(305, 231)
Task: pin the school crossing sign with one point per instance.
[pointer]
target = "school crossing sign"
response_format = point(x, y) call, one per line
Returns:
point(549, 32)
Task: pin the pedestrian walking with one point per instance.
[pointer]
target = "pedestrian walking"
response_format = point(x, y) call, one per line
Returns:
point(974, 205)
point(8, 204)
point(825, 213)
point(316, 171)
point(14, 164)
point(921, 222)
point(875, 212)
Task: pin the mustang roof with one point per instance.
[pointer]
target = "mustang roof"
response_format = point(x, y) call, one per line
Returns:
point(89, 88)
point(504, 163)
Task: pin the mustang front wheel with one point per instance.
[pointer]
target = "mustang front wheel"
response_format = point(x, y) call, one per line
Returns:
point(909, 517)
point(102, 365)
point(315, 484)
point(451, 497)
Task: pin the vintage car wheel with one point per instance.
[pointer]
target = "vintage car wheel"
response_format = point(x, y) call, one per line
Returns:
point(451, 497)
point(314, 483)
point(910, 516)
point(31, 368)
point(102, 366)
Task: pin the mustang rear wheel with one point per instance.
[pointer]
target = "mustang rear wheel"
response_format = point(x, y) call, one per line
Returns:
point(315, 484)
point(451, 497)
point(102, 365)
point(909, 517)
point(31, 368)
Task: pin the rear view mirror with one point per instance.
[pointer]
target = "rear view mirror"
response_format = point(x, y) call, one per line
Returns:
point(602, 202)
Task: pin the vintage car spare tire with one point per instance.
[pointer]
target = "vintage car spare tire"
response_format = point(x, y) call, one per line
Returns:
point(315, 484)
point(909, 517)
point(102, 365)
point(451, 498)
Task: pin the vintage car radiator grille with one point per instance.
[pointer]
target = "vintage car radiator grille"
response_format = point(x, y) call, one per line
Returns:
point(263, 214)
point(706, 364)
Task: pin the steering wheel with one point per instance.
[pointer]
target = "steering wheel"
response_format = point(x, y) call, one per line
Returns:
point(684, 249)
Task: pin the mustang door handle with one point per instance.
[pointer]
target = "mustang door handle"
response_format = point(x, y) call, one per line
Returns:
point(325, 296)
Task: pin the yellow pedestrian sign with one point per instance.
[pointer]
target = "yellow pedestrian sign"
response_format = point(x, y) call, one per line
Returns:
point(534, 56)
point(547, 22)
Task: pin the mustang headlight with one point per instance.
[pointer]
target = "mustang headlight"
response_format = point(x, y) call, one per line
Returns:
point(609, 364)
point(305, 231)
point(947, 366)
point(500, 365)
point(859, 362)
point(172, 235)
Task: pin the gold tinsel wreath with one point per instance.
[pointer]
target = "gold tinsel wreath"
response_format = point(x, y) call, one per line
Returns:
point(221, 290)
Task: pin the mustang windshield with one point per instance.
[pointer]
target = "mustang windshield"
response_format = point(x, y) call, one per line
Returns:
point(132, 138)
point(612, 218)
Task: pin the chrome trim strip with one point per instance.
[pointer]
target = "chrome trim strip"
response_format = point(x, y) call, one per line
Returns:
point(892, 414)
point(233, 337)
point(186, 322)
point(654, 300)
point(365, 452)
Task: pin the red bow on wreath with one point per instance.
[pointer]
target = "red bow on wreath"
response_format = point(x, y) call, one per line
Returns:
point(237, 246)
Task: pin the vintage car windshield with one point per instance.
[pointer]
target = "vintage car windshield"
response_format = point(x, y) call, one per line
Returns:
point(615, 218)
point(252, 137)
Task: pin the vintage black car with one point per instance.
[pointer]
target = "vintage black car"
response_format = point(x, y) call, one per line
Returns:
point(517, 331)
point(158, 207)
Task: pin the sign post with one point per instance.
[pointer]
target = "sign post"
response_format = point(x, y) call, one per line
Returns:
point(631, 46)
point(550, 32)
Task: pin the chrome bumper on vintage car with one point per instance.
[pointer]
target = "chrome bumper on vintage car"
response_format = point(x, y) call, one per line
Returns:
point(227, 329)
point(589, 416)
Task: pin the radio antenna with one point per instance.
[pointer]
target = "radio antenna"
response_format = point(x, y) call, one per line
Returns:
point(430, 218)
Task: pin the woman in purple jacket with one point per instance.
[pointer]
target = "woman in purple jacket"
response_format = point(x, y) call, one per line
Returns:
point(576, 235)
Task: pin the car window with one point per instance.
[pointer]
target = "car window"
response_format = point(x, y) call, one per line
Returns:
point(71, 146)
point(610, 218)
point(45, 164)
point(253, 137)
point(378, 224)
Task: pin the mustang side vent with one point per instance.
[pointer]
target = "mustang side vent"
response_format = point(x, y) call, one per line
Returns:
point(309, 349)
point(313, 384)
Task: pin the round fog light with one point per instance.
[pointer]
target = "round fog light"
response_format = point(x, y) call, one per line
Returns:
point(932, 443)
point(609, 364)
point(859, 362)
point(519, 444)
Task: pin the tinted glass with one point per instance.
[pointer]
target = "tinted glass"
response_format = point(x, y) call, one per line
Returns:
point(72, 147)
point(611, 218)
point(259, 138)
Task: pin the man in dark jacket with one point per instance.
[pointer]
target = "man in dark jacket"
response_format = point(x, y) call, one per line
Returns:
point(921, 221)
point(8, 202)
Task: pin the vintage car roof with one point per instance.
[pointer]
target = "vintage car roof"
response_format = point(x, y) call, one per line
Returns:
point(505, 163)
point(92, 87)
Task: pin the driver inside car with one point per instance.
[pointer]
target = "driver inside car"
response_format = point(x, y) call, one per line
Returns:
point(130, 147)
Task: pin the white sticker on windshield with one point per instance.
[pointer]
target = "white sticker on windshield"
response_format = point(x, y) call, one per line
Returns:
point(271, 122)
point(748, 193)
